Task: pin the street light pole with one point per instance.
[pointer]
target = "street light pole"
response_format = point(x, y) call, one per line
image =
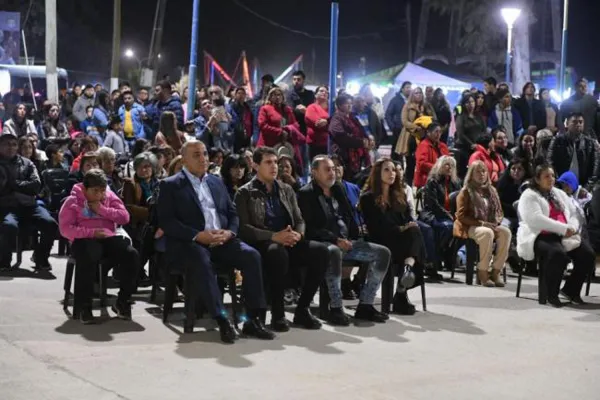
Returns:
point(193, 59)
point(333, 47)
point(563, 51)
point(510, 15)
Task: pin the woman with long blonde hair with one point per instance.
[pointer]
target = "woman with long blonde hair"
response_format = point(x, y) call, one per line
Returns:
point(478, 217)
point(389, 220)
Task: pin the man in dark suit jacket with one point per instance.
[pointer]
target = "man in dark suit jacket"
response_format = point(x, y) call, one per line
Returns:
point(200, 224)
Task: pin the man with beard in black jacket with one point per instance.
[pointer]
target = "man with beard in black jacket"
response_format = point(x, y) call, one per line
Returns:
point(19, 186)
point(573, 151)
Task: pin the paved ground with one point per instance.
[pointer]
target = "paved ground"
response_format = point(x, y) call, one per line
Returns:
point(474, 343)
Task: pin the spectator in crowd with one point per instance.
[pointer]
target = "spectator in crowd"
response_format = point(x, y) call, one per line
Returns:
point(56, 158)
point(136, 195)
point(552, 113)
point(578, 198)
point(175, 165)
point(89, 218)
point(87, 125)
point(389, 222)
point(73, 127)
point(270, 220)
point(70, 100)
point(19, 186)
point(428, 152)
point(88, 143)
point(278, 126)
point(114, 137)
point(368, 119)
point(72, 150)
point(485, 151)
point(98, 87)
point(501, 144)
point(526, 149)
point(163, 101)
point(478, 217)
point(442, 111)
point(373, 103)
point(84, 101)
point(102, 111)
point(393, 114)
point(480, 106)
point(288, 173)
point(27, 150)
point(219, 123)
point(201, 128)
point(132, 114)
point(216, 156)
point(168, 133)
point(489, 86)
point(507, 116)
point(441, 182)
point(299, 98)
point(107, 159)
point(200, 223)
point(329, 219)
point(242, 119)
point(576, 152)
point(317, 122)
point(235, 173)
point(412, 132)
point(19, 125)
point(348, 139)
point(531, 110)
point(549, 232)
point(140, 146)
point(509, 189)
point(469, 127)
point(52, 129)
point(143, 97)
point(582, 103)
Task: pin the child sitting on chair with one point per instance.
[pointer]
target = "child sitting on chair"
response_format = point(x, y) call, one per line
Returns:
point(89, 218)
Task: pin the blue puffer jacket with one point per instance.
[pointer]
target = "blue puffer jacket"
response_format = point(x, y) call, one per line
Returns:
point(154, 111)
point(136, 117)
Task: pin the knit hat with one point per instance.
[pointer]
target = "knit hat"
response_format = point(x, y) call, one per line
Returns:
point(568, 178)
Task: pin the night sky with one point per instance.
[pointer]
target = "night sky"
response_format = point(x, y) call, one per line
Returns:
point(226, 30)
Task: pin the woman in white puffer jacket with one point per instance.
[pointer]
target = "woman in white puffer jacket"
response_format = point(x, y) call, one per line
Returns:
point(548, 231)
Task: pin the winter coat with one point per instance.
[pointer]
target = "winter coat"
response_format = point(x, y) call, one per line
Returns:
point(534, 214)
point(136, 118)
point(316, 136)
point(560, 155)
point(500, 116)
point(393, 114)
point(468, 130)
point(80, 106)
point(19, 183)
point(11, 128)
point(537, 110)
point(434, 197)
point(77, 221)
point(347, 141)
point(494, 165)
point(426, 156)
point(410, 113)
point(155, 110)
point(270, 123)
point(586, 104)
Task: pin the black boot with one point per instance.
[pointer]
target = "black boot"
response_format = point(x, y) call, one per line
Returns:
point(402, 305)
point(338, 317)
point(367, 312)
point(348, 290)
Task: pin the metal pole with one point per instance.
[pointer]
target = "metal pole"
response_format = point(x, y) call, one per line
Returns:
point(51, 72)
point(508, 46)
point(193, 59)
point(116, 50)
point(29, 69)
point(335, 14)
point(563, 51)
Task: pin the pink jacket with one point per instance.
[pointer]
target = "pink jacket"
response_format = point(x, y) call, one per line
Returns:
point(75, 224)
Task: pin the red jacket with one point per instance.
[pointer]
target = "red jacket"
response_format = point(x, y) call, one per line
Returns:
point(271, 129)
point(315, 135)
point(425, 157)
point(494, 165)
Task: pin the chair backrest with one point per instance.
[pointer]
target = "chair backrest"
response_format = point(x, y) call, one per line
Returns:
point(453, 197)
point(56, 186)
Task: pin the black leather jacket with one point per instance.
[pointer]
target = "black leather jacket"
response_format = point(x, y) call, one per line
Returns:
point(434, 195)
point(19, 183)
point(560, 154)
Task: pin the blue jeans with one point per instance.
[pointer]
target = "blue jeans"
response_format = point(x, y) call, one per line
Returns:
point(35, 216)
point(375, 274)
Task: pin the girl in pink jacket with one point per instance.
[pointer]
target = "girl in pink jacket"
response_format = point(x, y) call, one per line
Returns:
point(89, 218)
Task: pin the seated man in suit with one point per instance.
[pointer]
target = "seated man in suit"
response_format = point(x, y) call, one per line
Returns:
point(200, 223)
point(271, 221)
point(330, 220)
point(19, 186)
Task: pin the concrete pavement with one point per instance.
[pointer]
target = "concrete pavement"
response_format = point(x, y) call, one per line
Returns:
point(473, 343)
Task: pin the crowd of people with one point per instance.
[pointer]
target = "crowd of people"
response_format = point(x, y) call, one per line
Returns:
point(296, 197)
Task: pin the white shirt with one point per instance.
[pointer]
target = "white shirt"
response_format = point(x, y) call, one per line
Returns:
point(209, 210)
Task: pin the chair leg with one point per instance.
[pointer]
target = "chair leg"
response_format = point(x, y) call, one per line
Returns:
point(169, 294)
point(423, 297)
point(520, 278)
point(102, 284)
point(542, 288)
point(233, 292)
point(504, 273)
point(387, 288)
point(471, 250)
point(323, 301)
point(589, 283)
point(152, 266)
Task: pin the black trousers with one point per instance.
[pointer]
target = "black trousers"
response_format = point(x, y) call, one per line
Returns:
point(411, 162)
point(407, 244)
point(554, 259)
point(277, 261)
point(462, 161)
point(201, 282)
point(37, 217)
point(89, 252)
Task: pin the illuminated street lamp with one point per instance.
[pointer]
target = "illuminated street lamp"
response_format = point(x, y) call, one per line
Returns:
point(510, 15)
